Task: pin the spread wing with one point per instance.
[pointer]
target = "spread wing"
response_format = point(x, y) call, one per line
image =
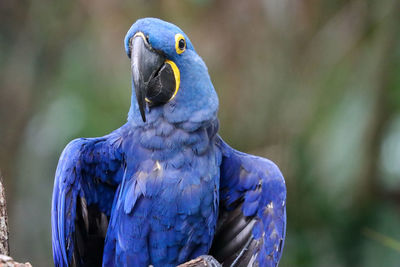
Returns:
point(88, 173)
point(252, 223)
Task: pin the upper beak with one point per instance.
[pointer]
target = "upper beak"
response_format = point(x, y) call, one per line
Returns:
point(144, 64)
point(156, 79)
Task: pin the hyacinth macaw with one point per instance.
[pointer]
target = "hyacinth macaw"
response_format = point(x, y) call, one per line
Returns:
point(165, 188)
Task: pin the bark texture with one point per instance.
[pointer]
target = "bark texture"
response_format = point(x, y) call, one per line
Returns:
point(4, 248)
point(6, 261)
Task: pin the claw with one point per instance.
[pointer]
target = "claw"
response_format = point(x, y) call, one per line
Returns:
point(202, 261)
point(211, 262)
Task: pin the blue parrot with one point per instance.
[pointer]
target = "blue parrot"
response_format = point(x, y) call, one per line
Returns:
point(165, 188)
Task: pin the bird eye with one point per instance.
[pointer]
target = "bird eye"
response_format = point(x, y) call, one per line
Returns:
point(180, 43)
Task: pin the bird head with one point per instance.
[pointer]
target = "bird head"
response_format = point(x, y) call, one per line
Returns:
point(168, 76)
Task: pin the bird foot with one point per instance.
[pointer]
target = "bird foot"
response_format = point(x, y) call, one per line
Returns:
point(202, 261)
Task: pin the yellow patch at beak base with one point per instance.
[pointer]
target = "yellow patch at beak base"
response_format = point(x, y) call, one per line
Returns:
point(177, 76)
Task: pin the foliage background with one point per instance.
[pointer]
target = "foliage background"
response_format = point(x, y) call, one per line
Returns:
point(312, 85)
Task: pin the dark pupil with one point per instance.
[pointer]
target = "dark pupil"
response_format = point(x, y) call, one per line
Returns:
point(181, 44)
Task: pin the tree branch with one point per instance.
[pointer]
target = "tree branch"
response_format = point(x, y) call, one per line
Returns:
point(4, 248)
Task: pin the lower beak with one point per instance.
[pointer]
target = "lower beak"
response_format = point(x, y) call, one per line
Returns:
point(153, 76)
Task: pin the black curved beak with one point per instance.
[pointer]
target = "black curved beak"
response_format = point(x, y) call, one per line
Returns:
point(153, 78)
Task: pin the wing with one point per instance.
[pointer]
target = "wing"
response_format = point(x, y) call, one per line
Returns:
point(88, 173)
point(252, 223)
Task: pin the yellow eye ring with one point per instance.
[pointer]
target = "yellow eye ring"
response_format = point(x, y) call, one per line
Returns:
point(180, 43)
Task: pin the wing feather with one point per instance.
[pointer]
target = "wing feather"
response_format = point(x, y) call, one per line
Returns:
point(252, 224)
point(86, 179)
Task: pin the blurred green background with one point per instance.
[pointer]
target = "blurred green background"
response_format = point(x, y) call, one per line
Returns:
point(312, 85)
